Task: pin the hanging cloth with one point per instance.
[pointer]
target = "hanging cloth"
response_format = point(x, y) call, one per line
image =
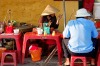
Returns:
point(88, 4)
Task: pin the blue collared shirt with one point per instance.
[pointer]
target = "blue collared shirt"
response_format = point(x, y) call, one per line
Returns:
point(80, 32)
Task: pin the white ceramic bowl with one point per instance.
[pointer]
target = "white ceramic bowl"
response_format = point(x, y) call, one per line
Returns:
point(16, 31)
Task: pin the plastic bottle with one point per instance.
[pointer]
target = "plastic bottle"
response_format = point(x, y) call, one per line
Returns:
point(53, 33)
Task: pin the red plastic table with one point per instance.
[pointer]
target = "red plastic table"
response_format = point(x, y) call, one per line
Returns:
point(17, 40)
point(31, 35)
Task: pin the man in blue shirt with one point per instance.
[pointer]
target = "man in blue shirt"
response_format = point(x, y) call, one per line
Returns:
point(80, 33)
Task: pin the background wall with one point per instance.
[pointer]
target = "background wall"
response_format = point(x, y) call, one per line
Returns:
point(98, 1)
point(29, 11)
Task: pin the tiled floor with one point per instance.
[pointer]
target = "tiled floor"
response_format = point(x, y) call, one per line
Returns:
point(29, 62)
point(53, 62)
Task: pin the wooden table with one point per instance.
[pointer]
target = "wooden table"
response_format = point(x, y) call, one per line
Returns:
point(31, 35)
point(17, 40)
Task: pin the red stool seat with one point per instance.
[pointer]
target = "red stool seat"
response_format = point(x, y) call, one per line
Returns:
point(9, 52)
point(73, 58)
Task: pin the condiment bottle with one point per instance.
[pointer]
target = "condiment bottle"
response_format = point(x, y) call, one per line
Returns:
point(45, 33)
point(53, 33)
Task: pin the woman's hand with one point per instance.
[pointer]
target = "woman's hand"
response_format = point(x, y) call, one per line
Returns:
point(59, 17)
point(49, 23)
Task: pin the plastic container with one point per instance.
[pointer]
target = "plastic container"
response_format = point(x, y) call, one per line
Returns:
point(35, 52)
point(1, 50)
point(9, 29)
point(97, 24)
point(16, 31)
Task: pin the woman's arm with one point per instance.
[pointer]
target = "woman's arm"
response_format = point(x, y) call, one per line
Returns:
point(40, 21)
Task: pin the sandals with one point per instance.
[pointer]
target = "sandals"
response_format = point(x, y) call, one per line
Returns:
point(66, 64)
point(93, 65)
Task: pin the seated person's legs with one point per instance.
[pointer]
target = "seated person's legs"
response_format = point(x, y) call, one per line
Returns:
point(66, 53)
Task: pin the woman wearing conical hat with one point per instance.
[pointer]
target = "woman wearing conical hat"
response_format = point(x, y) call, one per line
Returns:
point(48, 15)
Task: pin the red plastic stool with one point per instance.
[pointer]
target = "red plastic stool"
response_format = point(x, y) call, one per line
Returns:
point(9, 52)
point(73, 58)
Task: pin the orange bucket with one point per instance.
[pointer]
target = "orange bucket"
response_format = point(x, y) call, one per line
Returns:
point(1, 50)
point(36, 54)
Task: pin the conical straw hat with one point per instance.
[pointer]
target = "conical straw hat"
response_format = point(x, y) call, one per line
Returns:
point(49, 10)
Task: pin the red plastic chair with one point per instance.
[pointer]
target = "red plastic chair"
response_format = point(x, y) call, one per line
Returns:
point(9, 52)
point(83, 58)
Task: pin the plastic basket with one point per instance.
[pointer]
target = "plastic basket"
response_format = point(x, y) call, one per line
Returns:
point(36, 54)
